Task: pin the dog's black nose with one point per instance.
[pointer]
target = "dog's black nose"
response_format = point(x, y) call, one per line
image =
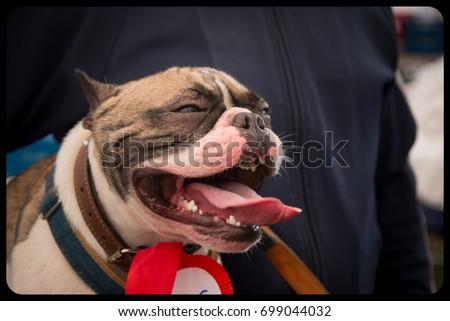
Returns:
point(251, 122)
point(258, 138)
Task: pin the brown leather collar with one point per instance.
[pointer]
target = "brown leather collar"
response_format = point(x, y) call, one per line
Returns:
point(117, 250)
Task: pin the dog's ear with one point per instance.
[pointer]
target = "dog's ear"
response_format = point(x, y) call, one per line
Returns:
point(95, 92)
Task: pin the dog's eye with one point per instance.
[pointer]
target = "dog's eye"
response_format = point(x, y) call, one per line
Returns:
point(265, 111)
point(188, 109)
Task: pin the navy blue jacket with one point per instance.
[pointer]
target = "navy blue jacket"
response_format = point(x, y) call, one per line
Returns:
point(329, 77)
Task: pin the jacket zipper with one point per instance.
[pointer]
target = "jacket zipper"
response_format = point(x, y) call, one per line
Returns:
point(274, 18)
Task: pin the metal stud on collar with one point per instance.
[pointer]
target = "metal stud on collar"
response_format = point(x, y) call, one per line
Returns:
point(116, 257)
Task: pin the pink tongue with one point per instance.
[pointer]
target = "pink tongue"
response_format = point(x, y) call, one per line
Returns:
point(242, 202)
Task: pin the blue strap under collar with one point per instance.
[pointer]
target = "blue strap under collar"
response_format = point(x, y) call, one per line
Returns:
point(71, 246)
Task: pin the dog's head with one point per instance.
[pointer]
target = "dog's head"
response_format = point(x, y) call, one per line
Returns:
point(189, 147)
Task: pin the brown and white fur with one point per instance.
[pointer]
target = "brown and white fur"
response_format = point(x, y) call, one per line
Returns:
point(145, 108)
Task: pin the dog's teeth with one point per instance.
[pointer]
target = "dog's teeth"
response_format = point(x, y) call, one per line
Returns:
point(191, 206)
point(231, 220)
point(85, 142)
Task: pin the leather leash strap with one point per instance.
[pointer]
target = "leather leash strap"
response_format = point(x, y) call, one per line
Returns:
point(93, 213)
point(293, 270)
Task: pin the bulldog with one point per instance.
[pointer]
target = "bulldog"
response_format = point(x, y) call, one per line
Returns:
point(177, 156)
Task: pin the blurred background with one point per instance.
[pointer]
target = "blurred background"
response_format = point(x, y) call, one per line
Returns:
point(420, 35)
point(421, 40)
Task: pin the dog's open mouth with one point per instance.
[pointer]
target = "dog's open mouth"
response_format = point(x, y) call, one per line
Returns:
point(225, 201)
